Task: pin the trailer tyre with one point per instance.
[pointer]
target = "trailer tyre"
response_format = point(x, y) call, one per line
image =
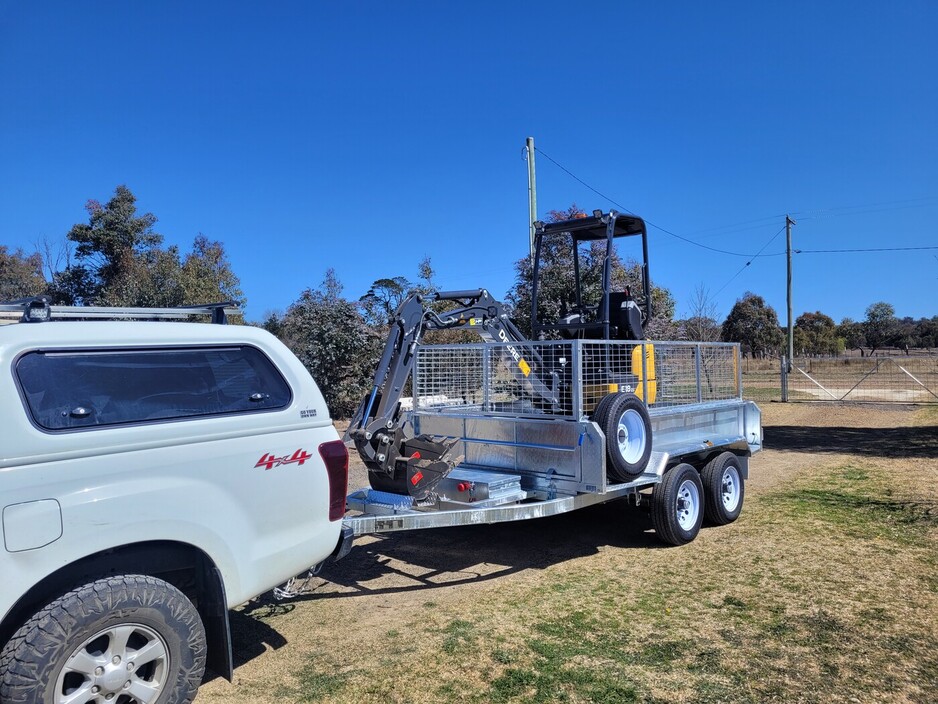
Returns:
point(128, 639)
point(677, 505)
point(724, 489)
point(602, 410)
point(627, 426)
point(600, 415)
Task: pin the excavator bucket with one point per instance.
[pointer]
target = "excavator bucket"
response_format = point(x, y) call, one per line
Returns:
point(429, 460)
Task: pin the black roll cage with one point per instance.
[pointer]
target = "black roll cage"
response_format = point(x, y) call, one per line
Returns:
point(598, 226)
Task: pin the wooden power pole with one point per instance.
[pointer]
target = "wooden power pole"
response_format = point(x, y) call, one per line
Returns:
point(532, 195)
point(791, 328)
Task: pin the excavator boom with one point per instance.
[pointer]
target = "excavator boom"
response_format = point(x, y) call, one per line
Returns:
point(396, 460)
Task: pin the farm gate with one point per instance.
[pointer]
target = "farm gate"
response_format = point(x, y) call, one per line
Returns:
point(869, 379)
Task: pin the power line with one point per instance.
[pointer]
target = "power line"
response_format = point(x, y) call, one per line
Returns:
point(922, 202)
point(805, 215)
point(577, 178)
point(733, 226)
point(823, 214)
point(749, 262)
point(703, 246)
point(876, 249)
point(719, 232)
point(624, 209)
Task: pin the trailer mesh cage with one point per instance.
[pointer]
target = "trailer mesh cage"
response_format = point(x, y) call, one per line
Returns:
point(568, 379)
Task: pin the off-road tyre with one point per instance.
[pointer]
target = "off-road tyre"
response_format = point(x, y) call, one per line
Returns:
point(626, 424)
point(724, 489)
point(677, 505)
point(86, 619)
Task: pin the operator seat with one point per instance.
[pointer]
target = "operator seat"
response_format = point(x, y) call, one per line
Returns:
point(625, 315)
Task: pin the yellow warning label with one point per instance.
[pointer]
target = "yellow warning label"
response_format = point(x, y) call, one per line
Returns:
point(524, 367)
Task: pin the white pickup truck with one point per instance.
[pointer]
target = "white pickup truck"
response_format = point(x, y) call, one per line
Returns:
point(153, 475)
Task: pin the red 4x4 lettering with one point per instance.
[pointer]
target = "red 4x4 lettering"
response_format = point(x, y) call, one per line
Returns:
point(269, 461)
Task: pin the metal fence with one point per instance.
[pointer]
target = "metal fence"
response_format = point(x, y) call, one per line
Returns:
point(567, 379)
point(867, 379)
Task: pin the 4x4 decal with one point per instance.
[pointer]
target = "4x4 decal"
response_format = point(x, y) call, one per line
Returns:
point(269, 461)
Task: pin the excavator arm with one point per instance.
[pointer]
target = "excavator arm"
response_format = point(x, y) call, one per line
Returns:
point(396, 460)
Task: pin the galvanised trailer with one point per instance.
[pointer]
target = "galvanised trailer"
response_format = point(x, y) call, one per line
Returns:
point(520, 461)
point(578, 410)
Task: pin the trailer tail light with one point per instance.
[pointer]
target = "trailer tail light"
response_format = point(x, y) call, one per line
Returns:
point(335, 457)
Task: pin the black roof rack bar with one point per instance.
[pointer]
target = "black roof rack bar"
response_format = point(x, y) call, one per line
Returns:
point(217, 311)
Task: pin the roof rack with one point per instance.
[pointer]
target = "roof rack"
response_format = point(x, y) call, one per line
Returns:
point(38, 310)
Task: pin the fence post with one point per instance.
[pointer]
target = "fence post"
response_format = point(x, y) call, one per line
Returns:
point(486, 380)
point(737, 359)
point(697, 371)
point(784, 379)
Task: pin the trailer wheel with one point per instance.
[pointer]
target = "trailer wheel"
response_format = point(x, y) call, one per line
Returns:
point(130, 640)
point(724, 489)
point(627, 426)
point(677, 505)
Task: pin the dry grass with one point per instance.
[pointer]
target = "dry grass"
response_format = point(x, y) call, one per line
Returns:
point(825, 590)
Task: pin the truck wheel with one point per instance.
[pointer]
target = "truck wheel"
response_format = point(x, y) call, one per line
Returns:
point(130, 639)
point(723, 488)
point(627, 427)
point(677, 505)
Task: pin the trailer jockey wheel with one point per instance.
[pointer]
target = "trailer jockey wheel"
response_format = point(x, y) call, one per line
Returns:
point(625, 422)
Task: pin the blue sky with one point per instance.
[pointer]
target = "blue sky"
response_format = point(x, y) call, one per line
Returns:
point(363, 136)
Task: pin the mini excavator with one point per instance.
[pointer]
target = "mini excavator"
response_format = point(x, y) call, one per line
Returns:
point(402, 463)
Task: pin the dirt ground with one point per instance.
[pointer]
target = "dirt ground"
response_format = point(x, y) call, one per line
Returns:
point(370, 611)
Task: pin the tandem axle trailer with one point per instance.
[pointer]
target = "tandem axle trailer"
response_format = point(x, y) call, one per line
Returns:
point(521, 463)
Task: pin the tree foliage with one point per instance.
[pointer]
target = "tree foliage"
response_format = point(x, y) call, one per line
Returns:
point(206, 275)
point(753, 323)
point(701, 324)
point(851, 332)
point(384, 298)
point(926, 331)
point(816, 334)
point(882, 329)
point(331, 338)
point(119, 262)
point(385, 295)
point(20, 275)
point(880, 326)
point(111, 248)
point(340, 341)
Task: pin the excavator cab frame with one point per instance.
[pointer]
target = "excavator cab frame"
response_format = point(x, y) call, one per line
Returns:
point(613, 316)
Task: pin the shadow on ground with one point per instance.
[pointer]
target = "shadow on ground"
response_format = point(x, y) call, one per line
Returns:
point(875, 442)
point(443, 557)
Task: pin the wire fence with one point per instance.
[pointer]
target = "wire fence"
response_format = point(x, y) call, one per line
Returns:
point(863, 379)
